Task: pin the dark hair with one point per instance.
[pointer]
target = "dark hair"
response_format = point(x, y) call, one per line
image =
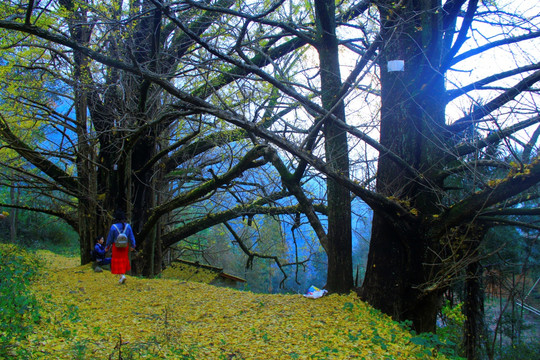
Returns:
point(120, 215)
point(99, 237)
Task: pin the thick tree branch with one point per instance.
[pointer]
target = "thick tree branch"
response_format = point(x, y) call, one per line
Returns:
point(478, 85)
point(493, 138)
point(36, 159)
point(528, 148)
point(183, 42)
point(247, 162)
point(480, 112)
point(481, 49)
point(184, 141)
point(71, 219)
point(291, 182)
point(466, 167)
point(257, 18)
point(29, 10)
point(257, 207)
point(462, 35)
point(512, 212)
point(494, 221)
point(252, 254)
point(467, 209)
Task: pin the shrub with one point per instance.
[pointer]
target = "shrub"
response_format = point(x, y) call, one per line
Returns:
point(451, 331)
point(18, 308)
point(521, 351)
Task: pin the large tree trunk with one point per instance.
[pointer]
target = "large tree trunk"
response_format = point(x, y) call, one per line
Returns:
point(87, 208)
point(412, 115)
point(143, 180)
point(144, 185)
point(86, 179)
point(121, 184)
point(474, 311)
point(396, 266)
point(339, 245)
point(473, 306)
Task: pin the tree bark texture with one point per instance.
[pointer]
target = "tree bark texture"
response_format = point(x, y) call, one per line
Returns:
point(120, 183)
point(339, 238)
point(142, 195)
point(412, 117)
point(474, 311)
point(86, 181)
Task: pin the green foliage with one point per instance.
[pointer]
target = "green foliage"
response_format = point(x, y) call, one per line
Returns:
point(19, 310)
point(444, 342)
point(41, 231)
point(433, 343)
point(452, 331)
point(521, 351)
point(514, 249)
point(513, 323)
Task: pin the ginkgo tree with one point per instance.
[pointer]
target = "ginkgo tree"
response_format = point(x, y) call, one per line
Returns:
point(172, 89)
point(176, 171)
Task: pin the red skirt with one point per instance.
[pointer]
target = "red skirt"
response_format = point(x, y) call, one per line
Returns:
point(120, 260)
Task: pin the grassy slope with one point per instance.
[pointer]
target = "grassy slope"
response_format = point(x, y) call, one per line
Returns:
point(85, 314)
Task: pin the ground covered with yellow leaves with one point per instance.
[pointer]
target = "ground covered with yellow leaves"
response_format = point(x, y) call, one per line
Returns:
point(89, 315)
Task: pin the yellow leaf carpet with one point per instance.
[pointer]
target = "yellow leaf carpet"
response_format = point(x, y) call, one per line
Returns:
point(89, 315)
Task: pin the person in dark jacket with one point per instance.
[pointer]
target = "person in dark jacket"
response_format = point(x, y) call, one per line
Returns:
point(100, 252)
point(120, 255)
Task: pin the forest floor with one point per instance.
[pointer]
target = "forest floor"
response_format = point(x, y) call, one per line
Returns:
point(89, 315)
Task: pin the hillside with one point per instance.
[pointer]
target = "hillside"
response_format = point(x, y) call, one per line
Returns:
point(88, 315)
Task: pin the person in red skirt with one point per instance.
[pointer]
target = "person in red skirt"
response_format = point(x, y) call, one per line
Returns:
point(120, 255)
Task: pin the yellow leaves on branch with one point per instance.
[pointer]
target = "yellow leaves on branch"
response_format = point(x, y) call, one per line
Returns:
point(515, 171)
point(406, 203)
point(85, 313)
